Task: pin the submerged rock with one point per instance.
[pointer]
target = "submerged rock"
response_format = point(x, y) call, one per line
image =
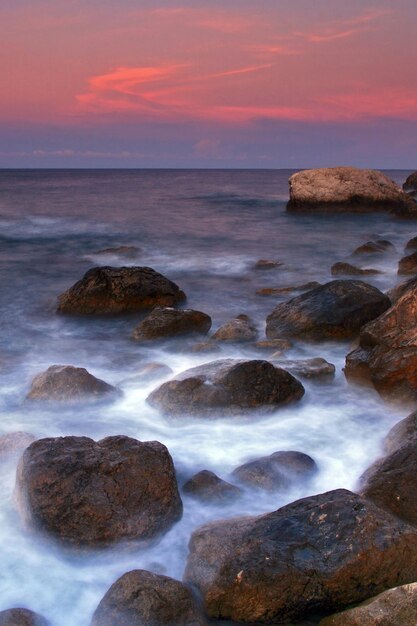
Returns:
point(140, 598)
point(277, 291)
point(88, 493)
point(319, 554)
point(379, 246)
point(21, 617)
point(276, 472)
point(241, 328)
point(168, 322)
point(352, 270)
point(266, 264)
point(207, 486)
point(65, 383)
point(408, 264)
point(308, 368)
point(14, 443)
point(113, 290)
point(336, 310)
point(347, 189)
point(227, 386)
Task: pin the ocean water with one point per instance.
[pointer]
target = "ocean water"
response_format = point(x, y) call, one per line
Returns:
point(205, 230)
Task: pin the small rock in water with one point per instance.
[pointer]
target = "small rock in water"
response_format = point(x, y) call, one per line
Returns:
point(266, 264)
point(239, 329)
point(65, 383)
point(126, 252)
point(207, 486)
point(411, 244)
point(408, 264)
point(168, 322)
point(277, 291)
point(351, 270)
point(308, 368)
point(21, 617)
point(140, 598)
point(14, 443)
point(374, 247)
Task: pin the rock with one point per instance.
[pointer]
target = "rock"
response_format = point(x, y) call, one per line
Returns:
point(126, 252)
point(348, 269)
point(140, 598)
point(308, 368)
point(239, 329)
point(88, 493)
point(387, 354)
point(21, 617)
point(266, 264)
point(65, 383)
point(335, 310)
point(408, 264)
point(410, 185)
point(208, 487)
point(112, 290)
point(169, 322)
point(227, 387)
point(402, 434)
point(391, 482)
point(276, 472)
point(14, 443)
point(395, 607)
point(347, 189)
point(273, 344)
point(411, 244)
point(379, 246)
point(277, 291)
point(396, 292)
point(319, 554)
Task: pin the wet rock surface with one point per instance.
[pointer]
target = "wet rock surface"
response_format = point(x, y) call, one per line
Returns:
point(315, 368)
point(410, 185)
point(276, 472)
point(227, 386)
point(14, 443)
point(266, 264)
point(208, 487)
point(114, 290)
point(351, 270)
point(336, 310)
point(65, 383)
point(319, 554)
point(402, 434)
point(140, 598)
point(408, 265)
point(278, 291)
point(241, 328)
point(169, 322)
point(87, 493)
point(21, 617)
point(411, 244)
point(379, 246)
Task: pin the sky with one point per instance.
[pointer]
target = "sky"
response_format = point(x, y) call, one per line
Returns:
point(204, 83)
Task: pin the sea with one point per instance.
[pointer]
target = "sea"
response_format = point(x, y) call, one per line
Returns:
point(205, 230)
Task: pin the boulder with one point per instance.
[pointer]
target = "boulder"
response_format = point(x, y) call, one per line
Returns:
point(266, 264)
point(207, 486)
point(347, 189)
point(396, 292)
point(168, 322)
point(411, 244)
point(21, 617)
point(336, 310)
point(379, 246)
point(387, 354)
point(241, 328)
point(408, 264)
point(14, 443)
point(402, 434)
point(395, 607)
point(319, 554)
point(317, 368)
point(140, 598)
point(227, 387)
point(113, 290)
point(410, 185)
point(276, 472)
point(352, 270)
point(278, 291)
point(65, 383)
point(88, 493)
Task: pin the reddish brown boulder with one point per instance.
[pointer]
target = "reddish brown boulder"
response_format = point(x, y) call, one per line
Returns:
point(276, 472)
point(21, 617)
point(319, 554)
point(113, 290)
point(227, 387)
point(239, 329)
point(402, 434)
point(140, 598)
point(65, 383)
point(374, 247)
point(14, 443)
point(207, 486)
point(335, 310)
point(88, 493)
point(351, 270)
point(408, 264)
point(410, 185)
point(396, 292)
point(168, 322)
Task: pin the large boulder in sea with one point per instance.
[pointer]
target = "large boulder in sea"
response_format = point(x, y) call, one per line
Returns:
point(112, 290)
point(141, 598)
point(410, 185)
point(395, 607)
point(227, 387)
point(336, 310)
point(21, 617)
point(317, 555)
point(169, 322)
point(88, 493)
point(402, 434)
point(347, 189)
point(387, 354)
point(65, 383)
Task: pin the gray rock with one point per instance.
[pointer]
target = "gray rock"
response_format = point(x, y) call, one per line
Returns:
point(65, 383)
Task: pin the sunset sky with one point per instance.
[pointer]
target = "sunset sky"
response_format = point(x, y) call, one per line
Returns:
point(204, 83)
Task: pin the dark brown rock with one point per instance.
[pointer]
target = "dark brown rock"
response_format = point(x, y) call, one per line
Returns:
point(402, 434)
point(88, 493)
point(411, 244)
point(396, 292)
point(276, 472)
point(207, 486)
point(319, 554)
point(410, 185)
point(65, 383)
point(380, 246)
point(352, 270)
point(266, 264)
point(140, 598)
point(408, 264)
point(168, 322)
point(351, 189)
point(278, 291)
point(21, 617)
point(14, 443)
point(239, 329)
point(113, 290)
point(227, 387)
point(316, 367)
point(335, 310)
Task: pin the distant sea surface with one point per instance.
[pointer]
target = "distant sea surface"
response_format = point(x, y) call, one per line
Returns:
point(204, 229)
